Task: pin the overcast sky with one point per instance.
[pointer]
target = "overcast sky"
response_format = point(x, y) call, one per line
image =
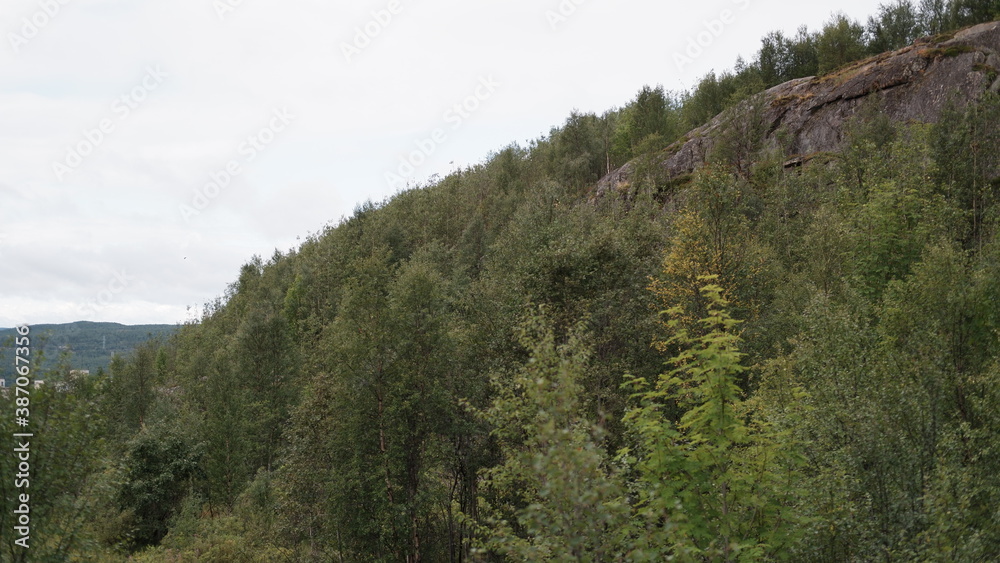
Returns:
point(149, 148)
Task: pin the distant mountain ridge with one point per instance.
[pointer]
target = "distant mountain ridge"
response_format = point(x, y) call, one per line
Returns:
point(91, 344)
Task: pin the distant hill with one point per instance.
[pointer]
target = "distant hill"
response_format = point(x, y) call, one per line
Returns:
point(90, 344)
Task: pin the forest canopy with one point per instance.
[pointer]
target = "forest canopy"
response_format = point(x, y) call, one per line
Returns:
point(757, 363)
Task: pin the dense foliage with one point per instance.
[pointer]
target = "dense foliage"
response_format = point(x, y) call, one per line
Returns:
point(841, 41)
point(757, 364)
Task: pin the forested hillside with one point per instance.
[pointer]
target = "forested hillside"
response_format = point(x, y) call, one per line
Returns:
point(88, 345)
point(768, 359)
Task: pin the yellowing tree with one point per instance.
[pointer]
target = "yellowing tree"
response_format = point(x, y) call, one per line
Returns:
point(712, 237)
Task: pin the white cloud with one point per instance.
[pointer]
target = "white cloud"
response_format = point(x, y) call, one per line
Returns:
point(61, 243)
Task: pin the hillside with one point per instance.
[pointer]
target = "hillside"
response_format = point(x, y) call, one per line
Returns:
point(770, 333)
point(90, 345)
point(808, 116)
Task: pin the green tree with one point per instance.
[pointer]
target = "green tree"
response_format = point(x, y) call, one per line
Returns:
point(895, 212)
point(742, 135)
point(157, 474)
point(840, 42)
point(934, 15)
point(649, 120)
point(713, 485)
point(782, 58)
point(708, 99)
point(129, 392)
point(968, 12)
point(897, 25)
point(66, 482)
point(966, 148)
point(381, 417)
point(554, 497)
point(842, 427)
point(579, 150)
point(713, 236)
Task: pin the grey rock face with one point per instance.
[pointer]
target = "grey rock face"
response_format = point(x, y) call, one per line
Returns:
point(912, 84)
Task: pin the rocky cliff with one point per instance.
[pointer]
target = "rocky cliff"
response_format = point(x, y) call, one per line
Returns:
point(912, 84)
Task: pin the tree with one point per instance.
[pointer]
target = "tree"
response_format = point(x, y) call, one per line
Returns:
point(712, 236)
point(649, 120)
point(158, 470)
point(851, 446)
point(712, 486)
point(554, 497)
point(579, 152)
point(381, 417)
point(742, 136)
point(66, 479)
point(781, 58)
point(804, 55)
point(896, 26)
point(708, 99)
point(867, 137)
point(966, 148)
point(129, 393)
point(266, 365)
point(934, 15)
point(969, 12)
point(774, 58)
point(840, 42)
point(895, 212)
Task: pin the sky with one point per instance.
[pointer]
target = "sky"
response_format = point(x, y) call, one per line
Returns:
point(150, 148)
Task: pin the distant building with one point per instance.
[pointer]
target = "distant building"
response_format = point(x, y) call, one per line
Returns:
point(5, 391)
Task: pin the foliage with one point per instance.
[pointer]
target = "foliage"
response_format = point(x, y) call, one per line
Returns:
point(896, 26)
point(68, 479)
point(840, 42)
point(714, 484)
point(555, 496)
point(91, 345)
point(156, 473)
point(377, 394)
